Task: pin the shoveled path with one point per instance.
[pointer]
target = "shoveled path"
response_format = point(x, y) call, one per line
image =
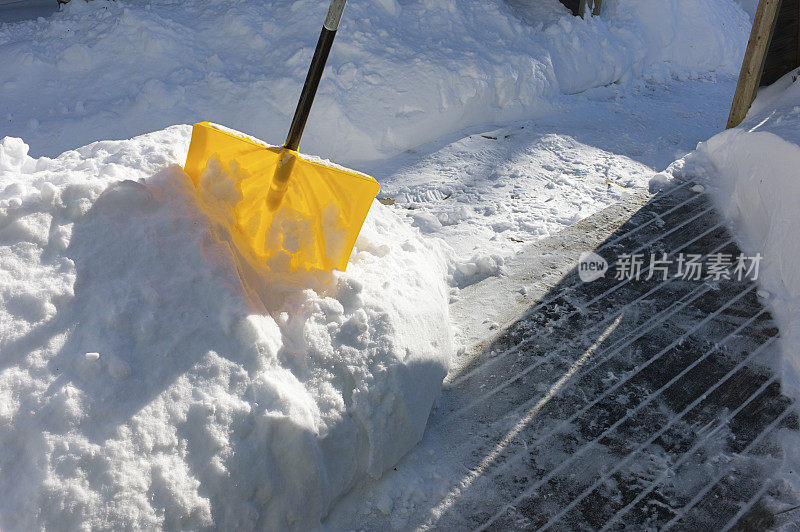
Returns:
point(614, 404)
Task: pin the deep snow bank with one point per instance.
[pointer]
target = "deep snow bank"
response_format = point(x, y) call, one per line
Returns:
point(143, 384)
point(401, 73)
point(752, 173)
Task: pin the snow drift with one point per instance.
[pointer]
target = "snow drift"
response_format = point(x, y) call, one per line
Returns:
point(752, 173)
point(401, 73)
point(146, 381)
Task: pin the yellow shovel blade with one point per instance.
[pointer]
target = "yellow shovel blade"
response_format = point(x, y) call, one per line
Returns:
point(316, 223)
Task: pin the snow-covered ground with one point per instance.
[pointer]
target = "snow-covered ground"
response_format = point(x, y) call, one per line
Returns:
point(19, 10)
point(401, 73)
point(490, 193)
point(145, 380)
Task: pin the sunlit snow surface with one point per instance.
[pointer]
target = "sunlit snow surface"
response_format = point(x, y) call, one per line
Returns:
point(400, 74)
point(492, 192)
point(146, 381)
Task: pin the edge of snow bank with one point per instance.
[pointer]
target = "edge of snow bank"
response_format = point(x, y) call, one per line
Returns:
point(755, 186)
point(752, 174)
point(143, 384)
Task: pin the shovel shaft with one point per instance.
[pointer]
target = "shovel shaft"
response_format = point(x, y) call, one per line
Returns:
point(280, 180)
point(314, 74)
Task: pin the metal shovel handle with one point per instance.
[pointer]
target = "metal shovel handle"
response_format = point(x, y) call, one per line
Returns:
point(315, 73)
point(334, 14)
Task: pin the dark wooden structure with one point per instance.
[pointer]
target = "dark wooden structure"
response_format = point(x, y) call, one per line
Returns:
point(772, 52)
point(581, 7)
point(784, 51)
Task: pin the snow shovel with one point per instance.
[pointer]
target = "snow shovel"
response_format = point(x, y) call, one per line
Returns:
point(289, 212)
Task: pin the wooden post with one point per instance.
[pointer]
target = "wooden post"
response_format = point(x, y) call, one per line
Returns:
point(754, 58)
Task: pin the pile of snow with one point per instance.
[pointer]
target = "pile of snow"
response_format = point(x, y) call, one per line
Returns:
point(401, 73)
point(146, 381)
point(752, 174)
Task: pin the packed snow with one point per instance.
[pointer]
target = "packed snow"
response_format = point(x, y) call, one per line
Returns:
point(150, 379)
